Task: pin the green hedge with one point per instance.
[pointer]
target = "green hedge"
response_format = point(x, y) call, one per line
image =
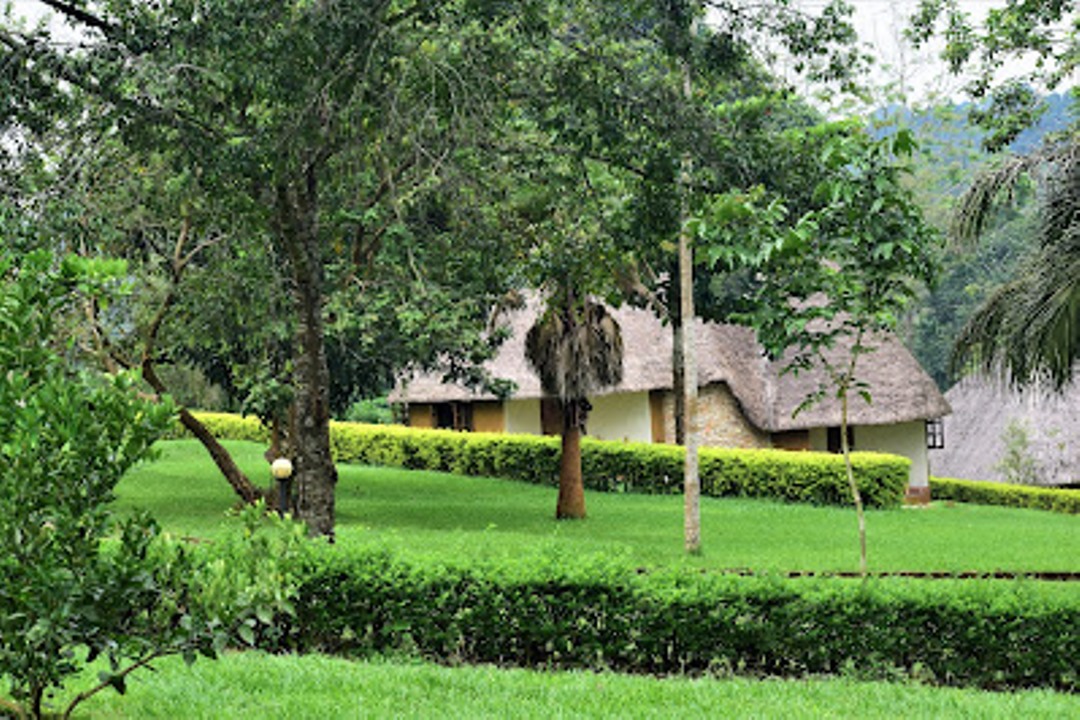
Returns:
point(545, 614)
point(226, 426)
point(627, 467)
point(984, 492)
point(606, 465)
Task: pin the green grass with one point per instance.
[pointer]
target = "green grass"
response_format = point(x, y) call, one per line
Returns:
point(461, 519)
point(266, 686)
point(455, 517)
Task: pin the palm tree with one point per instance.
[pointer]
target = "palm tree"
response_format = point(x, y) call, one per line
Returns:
point(576, 348)
point(1029, 327)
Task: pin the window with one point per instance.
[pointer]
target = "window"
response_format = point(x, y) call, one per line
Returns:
point(453, 416)
point(935, 434)
point(833, 439)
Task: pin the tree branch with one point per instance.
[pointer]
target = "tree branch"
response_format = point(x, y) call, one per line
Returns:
point(76, 13)
point(86, 694)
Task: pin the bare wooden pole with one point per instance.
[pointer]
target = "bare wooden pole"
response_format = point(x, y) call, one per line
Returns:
point(691, 477)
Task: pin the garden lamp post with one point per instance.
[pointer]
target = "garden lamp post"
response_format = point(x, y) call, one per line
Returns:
point(282, 469)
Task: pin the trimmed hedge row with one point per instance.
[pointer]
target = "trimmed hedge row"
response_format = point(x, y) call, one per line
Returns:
point(984, 492)
point(627, 467)
point(604, 617)
point(606, 466)
point(226, 426)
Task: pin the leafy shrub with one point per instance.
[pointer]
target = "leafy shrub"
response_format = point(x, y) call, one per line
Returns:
point(72, 576)
point(600, 615)
point(374, 411)
point(1017, 465)
point(983, 492)
point(607, 465)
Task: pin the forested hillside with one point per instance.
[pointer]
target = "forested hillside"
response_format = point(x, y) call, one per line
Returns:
point(951, 155)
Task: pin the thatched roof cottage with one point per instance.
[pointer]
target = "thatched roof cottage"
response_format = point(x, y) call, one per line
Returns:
point(744, 399)
point(1042, 426)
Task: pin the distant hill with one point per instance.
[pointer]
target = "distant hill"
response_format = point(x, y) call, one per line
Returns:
point(951, 153)
point(948, 125)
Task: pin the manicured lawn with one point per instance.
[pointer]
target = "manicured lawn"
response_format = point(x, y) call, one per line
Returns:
point(461, 520)
point(253, 685)
point(457, 518)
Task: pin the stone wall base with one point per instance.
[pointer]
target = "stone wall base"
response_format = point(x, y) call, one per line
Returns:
point(917, 495)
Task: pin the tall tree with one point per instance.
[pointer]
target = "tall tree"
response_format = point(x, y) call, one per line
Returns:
point(313, 114)
point(624, 97)
point(830, 281)
point(576, 349)
point(575, 345)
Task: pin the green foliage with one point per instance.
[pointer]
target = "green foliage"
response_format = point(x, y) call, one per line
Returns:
point(247, 579)
point(601, 615)
point(606, 465)
point(374, 411)
point(76, 577)
point(990, 493)
point(68, 436)
point(845, 268)
point(968, 278)
point(1017, 464)
point(1016, 49)
point(1026, 327)
point(948, 155)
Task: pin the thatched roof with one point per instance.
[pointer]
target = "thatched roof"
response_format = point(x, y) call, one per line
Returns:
point(901, 391)
point(982, 410)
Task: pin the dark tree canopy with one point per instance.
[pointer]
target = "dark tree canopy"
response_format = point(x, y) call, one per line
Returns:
point(363, 181)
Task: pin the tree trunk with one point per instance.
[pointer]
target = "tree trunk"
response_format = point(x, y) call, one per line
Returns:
point(855, 494)
point(240, 483)
point(315, 476)
point(691, 477)
point(571, 505)
point(678, 365)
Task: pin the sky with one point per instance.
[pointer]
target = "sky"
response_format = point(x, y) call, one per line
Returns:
point(919, 75)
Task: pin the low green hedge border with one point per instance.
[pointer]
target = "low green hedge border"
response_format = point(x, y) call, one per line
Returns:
point(607, 466)
point(599, 616)
point(991, 493)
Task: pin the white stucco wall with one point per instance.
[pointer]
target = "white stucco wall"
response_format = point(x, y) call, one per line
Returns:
point(622, 416)
point(907, 439)
point(523, 416)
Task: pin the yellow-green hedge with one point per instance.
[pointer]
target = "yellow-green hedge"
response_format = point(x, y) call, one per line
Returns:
point(983, 492)
point(226, 426)
point(606, 465)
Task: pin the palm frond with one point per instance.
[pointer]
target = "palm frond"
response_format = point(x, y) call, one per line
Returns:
point(1054, 167)
point(575, 350)
point(1029, 328)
